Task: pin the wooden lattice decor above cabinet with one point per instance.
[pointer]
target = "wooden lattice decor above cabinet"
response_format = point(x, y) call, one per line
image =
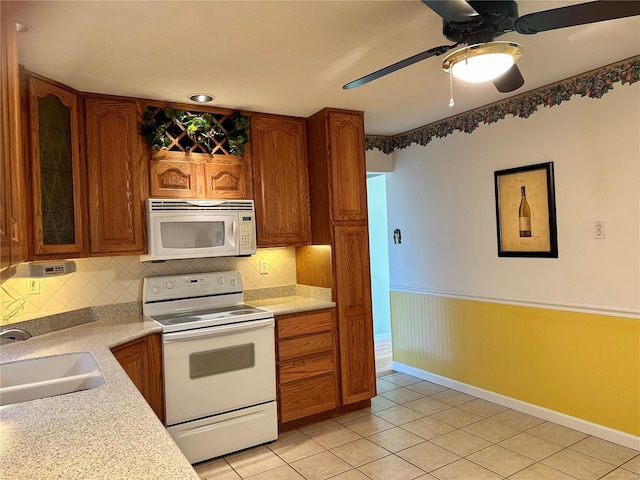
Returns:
point(192, 166)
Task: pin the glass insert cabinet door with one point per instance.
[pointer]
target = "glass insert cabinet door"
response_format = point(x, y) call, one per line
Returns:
point(55, 169)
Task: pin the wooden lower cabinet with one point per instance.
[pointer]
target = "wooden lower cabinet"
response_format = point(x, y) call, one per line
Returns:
point(141, 359)
point(307, 397)
point(307, 364)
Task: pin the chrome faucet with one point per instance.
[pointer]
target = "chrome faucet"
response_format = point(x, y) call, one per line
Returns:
point(14, 334)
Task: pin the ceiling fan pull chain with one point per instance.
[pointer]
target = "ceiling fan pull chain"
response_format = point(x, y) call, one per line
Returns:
point(451, 102)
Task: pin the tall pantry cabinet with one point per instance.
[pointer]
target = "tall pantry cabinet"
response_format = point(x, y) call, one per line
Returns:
point(337, 179)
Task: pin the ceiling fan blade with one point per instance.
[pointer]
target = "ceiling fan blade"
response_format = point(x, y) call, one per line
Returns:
point(510, 80)
point(579, 14)
point(398, 65)
point(452, 10)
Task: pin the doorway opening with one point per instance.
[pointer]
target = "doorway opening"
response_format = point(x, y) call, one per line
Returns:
point(379, 254)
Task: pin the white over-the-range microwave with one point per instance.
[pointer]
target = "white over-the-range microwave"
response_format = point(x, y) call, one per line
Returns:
point(179, 228)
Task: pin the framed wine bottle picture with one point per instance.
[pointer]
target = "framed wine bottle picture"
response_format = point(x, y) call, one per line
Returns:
point(526, 211)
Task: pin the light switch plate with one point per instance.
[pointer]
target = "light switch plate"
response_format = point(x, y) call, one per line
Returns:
point(33, 286)
point(264, 267)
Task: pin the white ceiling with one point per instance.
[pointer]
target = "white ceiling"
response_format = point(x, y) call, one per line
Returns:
point(290, 57)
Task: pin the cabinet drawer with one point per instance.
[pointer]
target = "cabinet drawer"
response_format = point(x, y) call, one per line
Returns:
point(306, 368)
point(305, 324)
point(304, 398)
point(303, 346)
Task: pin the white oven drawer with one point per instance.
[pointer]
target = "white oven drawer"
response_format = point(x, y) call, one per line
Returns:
point(225, 433)
point(218, 369)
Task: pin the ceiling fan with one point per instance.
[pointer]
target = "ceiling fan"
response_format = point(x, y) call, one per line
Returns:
point(476, 23)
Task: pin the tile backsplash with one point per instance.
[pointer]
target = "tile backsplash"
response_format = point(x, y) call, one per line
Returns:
point(111, 280)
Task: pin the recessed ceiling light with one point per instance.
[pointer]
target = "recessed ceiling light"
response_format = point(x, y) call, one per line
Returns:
point(21, 28)
point(201, 97)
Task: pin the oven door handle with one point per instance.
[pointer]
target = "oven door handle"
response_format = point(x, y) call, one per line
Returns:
point(217, 331)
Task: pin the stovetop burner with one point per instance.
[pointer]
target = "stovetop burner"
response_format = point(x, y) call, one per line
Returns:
point(186, 302)
point(209, 317)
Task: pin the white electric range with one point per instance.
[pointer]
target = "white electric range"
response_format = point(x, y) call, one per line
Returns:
point(219, 363)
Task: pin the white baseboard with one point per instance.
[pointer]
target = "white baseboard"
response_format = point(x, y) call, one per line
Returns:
point(381, 337)
point(605, 433)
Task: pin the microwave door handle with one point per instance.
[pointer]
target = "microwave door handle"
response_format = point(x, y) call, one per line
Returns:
point(232, 234)
point(217, 331)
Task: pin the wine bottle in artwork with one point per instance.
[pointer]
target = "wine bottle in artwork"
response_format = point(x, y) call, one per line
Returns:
point(525, 215)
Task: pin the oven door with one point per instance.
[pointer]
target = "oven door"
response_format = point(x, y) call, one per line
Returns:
point(188, 235)
point(217, 369)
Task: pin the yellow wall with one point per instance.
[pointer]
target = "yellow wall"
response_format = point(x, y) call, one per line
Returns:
point(583, 365)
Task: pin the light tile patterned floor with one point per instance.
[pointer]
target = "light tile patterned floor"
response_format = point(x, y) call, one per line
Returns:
point(420, 430)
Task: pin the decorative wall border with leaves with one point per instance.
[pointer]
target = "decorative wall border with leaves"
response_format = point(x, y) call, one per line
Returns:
point(593, 84)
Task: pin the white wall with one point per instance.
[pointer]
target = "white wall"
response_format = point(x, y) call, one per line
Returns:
point(442, 197)
point(379, 253)
point(378, 162)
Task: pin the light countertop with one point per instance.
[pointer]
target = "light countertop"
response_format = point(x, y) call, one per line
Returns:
point(107, 432)
point(291, 304)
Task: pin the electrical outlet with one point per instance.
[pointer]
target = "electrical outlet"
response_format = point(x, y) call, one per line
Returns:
point(598, 230)
point(264, 267)
point(33, 286)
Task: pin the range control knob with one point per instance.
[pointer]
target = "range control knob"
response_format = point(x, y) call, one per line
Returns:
point(234, 282)
point(221, 280)
point(170, 284)
point(155, 289)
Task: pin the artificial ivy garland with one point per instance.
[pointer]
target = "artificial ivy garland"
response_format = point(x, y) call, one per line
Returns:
point(202, 128)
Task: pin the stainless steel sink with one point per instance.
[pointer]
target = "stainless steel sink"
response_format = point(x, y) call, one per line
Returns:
point(25, 380)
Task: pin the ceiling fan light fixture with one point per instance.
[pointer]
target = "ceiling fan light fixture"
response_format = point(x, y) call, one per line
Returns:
point(482, 62)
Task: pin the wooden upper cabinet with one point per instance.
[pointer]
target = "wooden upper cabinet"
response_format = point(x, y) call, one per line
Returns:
point(189, 169)
point(348, 168)
point(115, 165)
point(13, 248)
point(280, 179)
point(57, 171)
point(221, 176)
point(228, 176)
point(337, 171)
point(174, 179)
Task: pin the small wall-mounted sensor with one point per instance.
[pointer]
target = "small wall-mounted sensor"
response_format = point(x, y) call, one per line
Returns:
point(397, 236)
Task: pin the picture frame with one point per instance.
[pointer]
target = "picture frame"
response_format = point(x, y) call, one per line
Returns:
point(526, 211)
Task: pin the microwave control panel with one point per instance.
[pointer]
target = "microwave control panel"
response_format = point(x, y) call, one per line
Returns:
point(247, 233)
